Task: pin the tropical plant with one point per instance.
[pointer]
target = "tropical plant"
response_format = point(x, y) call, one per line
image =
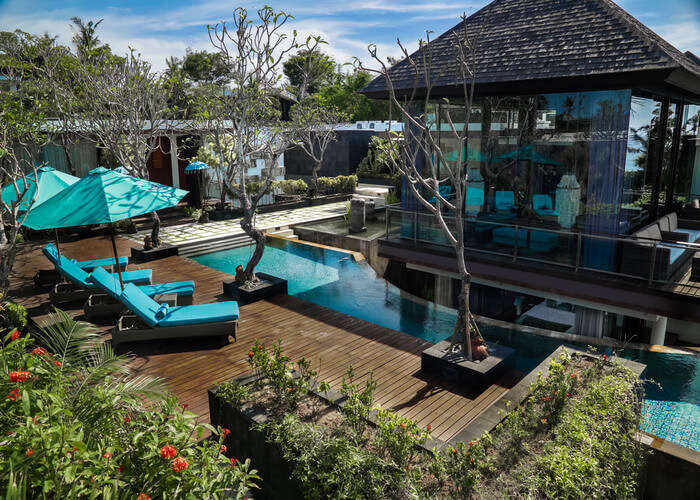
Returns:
point(78, 423)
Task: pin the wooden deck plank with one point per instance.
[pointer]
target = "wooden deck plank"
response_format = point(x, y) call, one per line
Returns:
point(330, 340)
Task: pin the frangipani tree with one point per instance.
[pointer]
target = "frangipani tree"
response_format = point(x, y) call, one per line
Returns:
point(253, 47)
point(22, 116)
point(422, 158)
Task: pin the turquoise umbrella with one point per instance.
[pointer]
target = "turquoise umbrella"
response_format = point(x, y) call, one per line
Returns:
point(102, 196)
point(121, 170)
point(196, 166)
point(527, 153)
point(50, 182)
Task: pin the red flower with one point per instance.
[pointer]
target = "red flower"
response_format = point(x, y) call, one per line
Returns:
point(108, 455)
point(14, 335)
point(605, 356)
point(19, 376)
point(234, 462)
point(14, 395)
point(168, 452)
point(225, 431)
point(471, 443)
point(185, 406)
point(574, 375)
point(403, 426)
point(120, 468)
point(544, 420)
point(127, 419)
point(223, 448)
point(454, 450)
point(58, 363)
point(29, 452)
point(568, 395)
point(39, 351)
point(251, 354)
point(259, 346)
point(35, 419)
point(428, 428)
point(179, 464)
point(555, 393)
point(143, 496)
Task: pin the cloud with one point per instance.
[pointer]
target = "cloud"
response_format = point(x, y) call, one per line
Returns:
point(684, 35)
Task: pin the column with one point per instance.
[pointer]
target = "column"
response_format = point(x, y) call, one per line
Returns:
point(174, 165)
point(658, 331)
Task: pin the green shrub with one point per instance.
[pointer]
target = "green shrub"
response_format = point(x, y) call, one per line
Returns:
point(345, 184)
point(193, 213)
point(76, 424)
point(16, 315)
point(292, 187)
point(234, 393)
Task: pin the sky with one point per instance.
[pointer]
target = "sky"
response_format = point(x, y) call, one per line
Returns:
point(159, 29)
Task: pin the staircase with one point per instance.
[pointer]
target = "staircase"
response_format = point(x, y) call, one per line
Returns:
point(372, 192)
point(214, 245)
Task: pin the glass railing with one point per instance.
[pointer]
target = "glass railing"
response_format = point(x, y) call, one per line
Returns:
point(645, 260)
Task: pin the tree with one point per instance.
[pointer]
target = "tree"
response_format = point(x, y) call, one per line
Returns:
point(344, 94)
point(22, 115)
point(422, 157)
point(315, 132)
point(85, 39)
point(123, 105)
point(254, 48)
point(308, 71)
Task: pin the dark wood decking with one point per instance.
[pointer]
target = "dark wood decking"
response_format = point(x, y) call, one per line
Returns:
point(331, 340)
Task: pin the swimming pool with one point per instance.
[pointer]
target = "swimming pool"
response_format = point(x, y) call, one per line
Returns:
point(335, 280)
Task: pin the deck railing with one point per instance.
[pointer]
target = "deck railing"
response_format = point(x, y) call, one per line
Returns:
point(641, 259)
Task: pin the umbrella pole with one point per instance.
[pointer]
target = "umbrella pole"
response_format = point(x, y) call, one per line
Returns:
point(116, 255)
point(55, 233)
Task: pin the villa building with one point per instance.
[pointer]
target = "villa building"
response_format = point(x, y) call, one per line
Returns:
point(584, 170)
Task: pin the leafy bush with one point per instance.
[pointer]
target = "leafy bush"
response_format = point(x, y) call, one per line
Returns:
point(193, 213)
point(392, 198)
point(292, 187)
point(14, 315)
point(345, 184)
point(123, 225)
point(77, 425)
point(233, 393)
point(379, 160)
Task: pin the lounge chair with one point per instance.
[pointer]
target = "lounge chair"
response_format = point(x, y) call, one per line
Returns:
point(80, 286)
point(159, 321)
point(543, 206)
point(505, 201)
point(86, 265)
point(50, 277)
point(99, 305)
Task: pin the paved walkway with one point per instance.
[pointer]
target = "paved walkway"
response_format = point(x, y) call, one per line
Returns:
point(194, 232)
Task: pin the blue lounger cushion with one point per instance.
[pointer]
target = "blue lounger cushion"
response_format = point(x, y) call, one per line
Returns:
point(87, 265)
point(80, 278)
point(109, 283)
point(214, 312)
point(675, 252)
point(199, 314)
point(693, 234)
point(505, 201)
point(90, 265)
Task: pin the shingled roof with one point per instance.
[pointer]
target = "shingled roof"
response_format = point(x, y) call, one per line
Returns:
point(539, 40)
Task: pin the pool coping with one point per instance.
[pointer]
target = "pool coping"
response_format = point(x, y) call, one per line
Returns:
point(356, 255)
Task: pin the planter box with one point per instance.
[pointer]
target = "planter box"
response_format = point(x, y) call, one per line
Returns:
point(269, 286)
point(376, 181)
point(456, 367)
point(45, 278)
point(329, 198)
point(139, 255)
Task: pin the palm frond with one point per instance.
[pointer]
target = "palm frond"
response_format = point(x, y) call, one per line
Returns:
point(68, 339)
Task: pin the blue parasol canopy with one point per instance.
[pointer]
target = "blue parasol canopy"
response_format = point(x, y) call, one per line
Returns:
point(196, 166)
point(50, 182)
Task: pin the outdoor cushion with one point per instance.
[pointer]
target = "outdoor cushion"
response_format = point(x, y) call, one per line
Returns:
point(109, 283)
point(693, 234)
point(51, 253)
point(664, 224)
point(651, 232)
point(82, 279)
point(673, 220)
point(543, 241)
point(89, 265)
point(140, 304)
point(214, 312)
point(675, 252)
point(542, 202)
point(505, 201)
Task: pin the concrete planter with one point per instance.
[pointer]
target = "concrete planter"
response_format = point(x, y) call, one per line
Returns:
point(269, 286)
point(140, 255)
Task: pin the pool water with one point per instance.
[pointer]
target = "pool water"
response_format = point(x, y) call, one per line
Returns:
point(333, 279)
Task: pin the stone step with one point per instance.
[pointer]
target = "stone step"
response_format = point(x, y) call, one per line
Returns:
point(379, 201)
point(214, 245)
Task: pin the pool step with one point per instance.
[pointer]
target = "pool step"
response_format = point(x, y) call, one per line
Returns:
point(214, 245)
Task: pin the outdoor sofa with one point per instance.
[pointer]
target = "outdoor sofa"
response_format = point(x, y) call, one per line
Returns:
point(670, 259)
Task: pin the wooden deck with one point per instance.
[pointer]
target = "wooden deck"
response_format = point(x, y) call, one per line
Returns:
point(330, 340)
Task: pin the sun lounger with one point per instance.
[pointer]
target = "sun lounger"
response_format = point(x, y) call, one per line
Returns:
point(80, 286)
point(159, 321)
point(49, 277)
point(107, 302)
